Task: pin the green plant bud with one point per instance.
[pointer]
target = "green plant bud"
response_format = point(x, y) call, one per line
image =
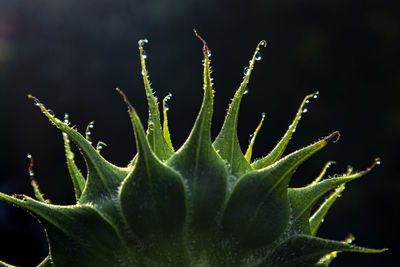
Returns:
point(205, 204)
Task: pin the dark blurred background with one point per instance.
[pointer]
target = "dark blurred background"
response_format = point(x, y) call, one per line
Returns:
point(72, 54)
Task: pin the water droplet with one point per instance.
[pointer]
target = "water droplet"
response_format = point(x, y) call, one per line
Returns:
point(305, 110)
point(143, 41)
point(246, 91)
point(315, 96)
point(294, 130)
point(322, 220)
point(166, 108)
point(66, 118)
point(144, 55)
point(307, 101)
point(262, 43)
point(30, 170)
point(258, 56)
point(246, 70)
point(89, 133)
point(50, 112)
point(209, 53)
point(91, 125)
point(100, 147)
point(250, 137)
point(378, 162)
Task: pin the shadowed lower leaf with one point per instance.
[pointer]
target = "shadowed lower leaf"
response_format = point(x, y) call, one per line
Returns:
point(306, 251)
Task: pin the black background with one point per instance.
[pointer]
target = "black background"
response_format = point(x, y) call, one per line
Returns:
point(71, 54)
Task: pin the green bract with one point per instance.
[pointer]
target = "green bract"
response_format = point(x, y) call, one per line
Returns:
point(205, 204)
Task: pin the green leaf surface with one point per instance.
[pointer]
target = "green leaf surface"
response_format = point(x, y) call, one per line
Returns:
point(306, 251)
point(227, 142)
point(257, 211)
point(152, 197)
point(278, 150)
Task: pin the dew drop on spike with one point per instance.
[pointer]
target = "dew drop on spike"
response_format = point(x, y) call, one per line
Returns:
point(258, 56)
point(66, 118)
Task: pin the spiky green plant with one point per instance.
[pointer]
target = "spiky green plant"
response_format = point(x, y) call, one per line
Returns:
point(205, 204)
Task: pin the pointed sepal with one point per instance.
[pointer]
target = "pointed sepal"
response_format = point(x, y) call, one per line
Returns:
point(227, 142)
point(77, 178)
point(152, 197)
point(166, 133)
point(328, 258)
point(35, 186)
point(154, 131)
point(303, 199)
point(306, 251)
point(278, 150)
point(204, 171)
point(316, 189)
point(257, 211)
point(47, 262)
point(317, 218)
point(253, 137)
point(103, 177)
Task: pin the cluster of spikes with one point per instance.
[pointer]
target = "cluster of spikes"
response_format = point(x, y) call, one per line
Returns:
point(204, 204)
